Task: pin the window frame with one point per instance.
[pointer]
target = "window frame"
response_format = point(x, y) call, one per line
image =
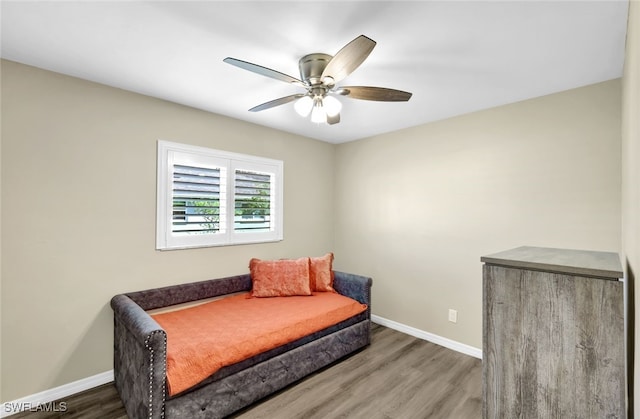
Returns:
point(170, 152)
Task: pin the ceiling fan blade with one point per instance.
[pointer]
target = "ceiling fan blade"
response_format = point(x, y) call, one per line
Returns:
point(275, 102)
point(348, 58)
point(374, 93)
point(333, 119)
point(263, 71)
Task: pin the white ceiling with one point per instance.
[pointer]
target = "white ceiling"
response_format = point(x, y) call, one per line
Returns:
point(455, 57)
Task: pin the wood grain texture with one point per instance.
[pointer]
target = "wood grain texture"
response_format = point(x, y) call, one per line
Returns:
point(398, 376)
point(553, 345)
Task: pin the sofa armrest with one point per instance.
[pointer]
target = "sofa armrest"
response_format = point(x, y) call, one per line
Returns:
point(140, 359)
point(353, 286)
point(134, 318)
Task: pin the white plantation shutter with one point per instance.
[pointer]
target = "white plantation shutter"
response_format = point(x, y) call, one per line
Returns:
point(209, 197)
point(196, 200)
point(252, 206)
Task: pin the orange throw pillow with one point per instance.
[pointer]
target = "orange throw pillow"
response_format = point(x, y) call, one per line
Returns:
point(321, 272)
point(280, 278)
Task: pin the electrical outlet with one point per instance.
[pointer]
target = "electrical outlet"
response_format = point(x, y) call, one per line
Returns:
point(453, 315)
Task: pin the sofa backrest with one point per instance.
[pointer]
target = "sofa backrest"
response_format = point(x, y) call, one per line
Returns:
point(184, 293)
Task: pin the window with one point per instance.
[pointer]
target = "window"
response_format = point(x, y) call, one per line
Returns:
point(209, 197)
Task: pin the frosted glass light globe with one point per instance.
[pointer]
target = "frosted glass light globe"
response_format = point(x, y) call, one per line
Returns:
point(318, 114)
point(303, 106)
point(331, 105)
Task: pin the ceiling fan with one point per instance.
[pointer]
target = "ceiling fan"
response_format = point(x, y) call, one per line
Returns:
point(319, 74)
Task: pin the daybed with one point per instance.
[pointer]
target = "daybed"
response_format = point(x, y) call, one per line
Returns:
point(140, 352)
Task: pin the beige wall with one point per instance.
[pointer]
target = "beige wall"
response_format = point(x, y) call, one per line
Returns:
point(417, 208)
point(631, 174)
point(78, 215)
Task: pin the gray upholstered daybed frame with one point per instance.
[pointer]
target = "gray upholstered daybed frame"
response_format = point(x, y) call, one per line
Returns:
point(140, 352)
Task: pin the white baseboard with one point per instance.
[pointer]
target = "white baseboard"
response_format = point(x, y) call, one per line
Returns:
point(42, 401)
point(421, 334)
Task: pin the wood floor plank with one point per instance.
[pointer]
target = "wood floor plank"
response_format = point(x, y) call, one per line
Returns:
point(397, 376)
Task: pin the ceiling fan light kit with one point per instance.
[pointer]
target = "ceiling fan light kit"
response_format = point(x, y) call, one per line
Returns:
point(319, 74)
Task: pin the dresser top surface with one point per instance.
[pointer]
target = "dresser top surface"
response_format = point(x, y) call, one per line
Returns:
point(565, 261)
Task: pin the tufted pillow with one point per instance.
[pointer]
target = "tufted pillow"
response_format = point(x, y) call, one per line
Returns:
point(321, 273)
point(280, 278)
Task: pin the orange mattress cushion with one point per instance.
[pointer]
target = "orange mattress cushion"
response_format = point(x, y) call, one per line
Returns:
point(207, 337)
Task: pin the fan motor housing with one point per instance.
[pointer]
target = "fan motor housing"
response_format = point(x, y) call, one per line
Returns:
point(311, 67)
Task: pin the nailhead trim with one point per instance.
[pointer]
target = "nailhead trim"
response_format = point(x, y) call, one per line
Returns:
point(151, 366)
point(164, 375)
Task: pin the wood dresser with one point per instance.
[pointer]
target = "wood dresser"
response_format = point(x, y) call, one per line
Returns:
point(553, 334)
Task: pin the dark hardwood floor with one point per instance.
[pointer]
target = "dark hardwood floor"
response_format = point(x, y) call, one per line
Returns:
point(398, 376)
